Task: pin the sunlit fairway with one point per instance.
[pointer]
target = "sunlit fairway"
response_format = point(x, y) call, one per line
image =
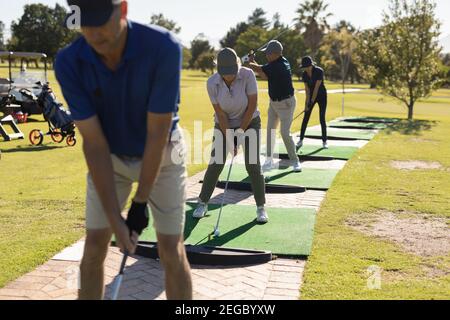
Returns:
point(42, 194)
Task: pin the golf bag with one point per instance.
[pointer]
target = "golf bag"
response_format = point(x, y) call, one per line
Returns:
point(54, 112)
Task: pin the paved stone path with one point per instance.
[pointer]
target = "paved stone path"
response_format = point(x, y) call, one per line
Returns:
point(144, 278)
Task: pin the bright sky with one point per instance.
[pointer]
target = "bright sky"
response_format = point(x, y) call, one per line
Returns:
point(214, 18)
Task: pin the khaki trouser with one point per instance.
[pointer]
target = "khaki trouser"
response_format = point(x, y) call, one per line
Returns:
point(281, 112)
point(166, 200)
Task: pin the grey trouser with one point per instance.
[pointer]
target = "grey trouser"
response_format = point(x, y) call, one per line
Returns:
point(253, 169)
point(281, 112)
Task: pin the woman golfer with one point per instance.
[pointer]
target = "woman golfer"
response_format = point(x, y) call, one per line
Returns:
point(234, 95)
point(313, 77)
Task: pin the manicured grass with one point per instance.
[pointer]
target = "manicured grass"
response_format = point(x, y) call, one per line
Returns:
point(42, 195)
point(341, 255)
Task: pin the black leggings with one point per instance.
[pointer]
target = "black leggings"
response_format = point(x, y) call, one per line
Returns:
point(323, 122)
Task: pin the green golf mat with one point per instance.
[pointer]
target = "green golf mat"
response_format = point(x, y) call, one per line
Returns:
point(319, 179)
point(369, 119)
point(341, 134)
point(312, 151)
point(289, 232)
point(357, 125)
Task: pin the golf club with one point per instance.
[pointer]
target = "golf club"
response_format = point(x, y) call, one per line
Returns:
point(119, 278)
point(246, 58)
point(216, 232)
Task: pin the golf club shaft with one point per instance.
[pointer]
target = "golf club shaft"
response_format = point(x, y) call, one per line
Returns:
point(118, 281)
point(299, 115)
point(224, 194)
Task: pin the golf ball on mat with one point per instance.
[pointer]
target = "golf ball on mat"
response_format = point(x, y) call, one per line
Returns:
point(216, 233)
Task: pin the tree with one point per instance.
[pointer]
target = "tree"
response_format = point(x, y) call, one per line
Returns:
point(258, 19)
point(312, 23)
point(338, 50)
point(41, 29)
point(276, 21)
point(2, 36)
point(199, 46)
point(229, 41)
point(186, 57)
point(343, 24)
point(205, 62)
point(401, 58)
point(160, 20)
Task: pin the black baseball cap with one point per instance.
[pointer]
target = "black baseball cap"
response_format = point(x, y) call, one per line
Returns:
point(95, 13)
point(307, 62)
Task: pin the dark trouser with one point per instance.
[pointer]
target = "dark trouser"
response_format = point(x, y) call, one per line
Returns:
point(322, 101)
point(253, 169)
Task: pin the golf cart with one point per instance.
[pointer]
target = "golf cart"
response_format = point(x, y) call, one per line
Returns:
point(18, 93)
point(28, 93)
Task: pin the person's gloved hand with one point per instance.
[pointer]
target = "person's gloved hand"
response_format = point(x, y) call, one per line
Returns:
point(138, 217)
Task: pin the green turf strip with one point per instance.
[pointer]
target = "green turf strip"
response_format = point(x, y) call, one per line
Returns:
point(289, 232)
point(308, 178)
point(357, 125)
point(341, 133)
point(335, 152)
point(370, 119)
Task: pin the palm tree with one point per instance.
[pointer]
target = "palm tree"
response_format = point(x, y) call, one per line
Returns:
point(312, 22)
point(313, 11)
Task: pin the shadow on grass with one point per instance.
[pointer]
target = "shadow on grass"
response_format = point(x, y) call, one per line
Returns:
point(30, 149)
point(411, 127)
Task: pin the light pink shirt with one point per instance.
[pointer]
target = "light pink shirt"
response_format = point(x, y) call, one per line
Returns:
point(234, 100)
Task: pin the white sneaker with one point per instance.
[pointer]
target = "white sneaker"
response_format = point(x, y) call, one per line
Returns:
point(268, 165)
point(297, 167)
point(200, 211)
point(325, 145)
point(261, 215)
point(299, 144)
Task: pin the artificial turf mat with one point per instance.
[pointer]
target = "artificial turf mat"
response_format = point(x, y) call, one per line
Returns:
point(311, 151)
point(337, 134)
point(319, 179)
point(358, 125)
point(289, 231)
point(369, 119)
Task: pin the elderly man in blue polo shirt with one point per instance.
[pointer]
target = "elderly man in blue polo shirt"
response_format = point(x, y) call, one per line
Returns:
point(282, 101)
point(122, 83)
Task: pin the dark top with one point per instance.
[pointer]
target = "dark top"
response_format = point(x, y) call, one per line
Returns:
point(280, 79)
point(317, 74)
point(147, 80)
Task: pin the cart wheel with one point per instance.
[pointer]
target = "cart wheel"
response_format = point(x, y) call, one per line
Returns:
point(57, 137)
point(71, 141)
point(36, 137)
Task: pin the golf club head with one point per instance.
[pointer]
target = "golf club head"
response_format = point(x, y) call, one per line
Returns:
point(245, 59)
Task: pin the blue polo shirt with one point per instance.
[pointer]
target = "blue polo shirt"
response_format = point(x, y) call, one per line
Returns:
point(279, 74)
point(146, 80)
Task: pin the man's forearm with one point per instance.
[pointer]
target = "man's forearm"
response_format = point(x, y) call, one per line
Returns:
point(100, 166)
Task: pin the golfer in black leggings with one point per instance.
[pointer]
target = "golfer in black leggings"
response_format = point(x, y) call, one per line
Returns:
point(313, 77)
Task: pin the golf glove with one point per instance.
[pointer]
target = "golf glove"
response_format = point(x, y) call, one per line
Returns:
point(138, 217)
